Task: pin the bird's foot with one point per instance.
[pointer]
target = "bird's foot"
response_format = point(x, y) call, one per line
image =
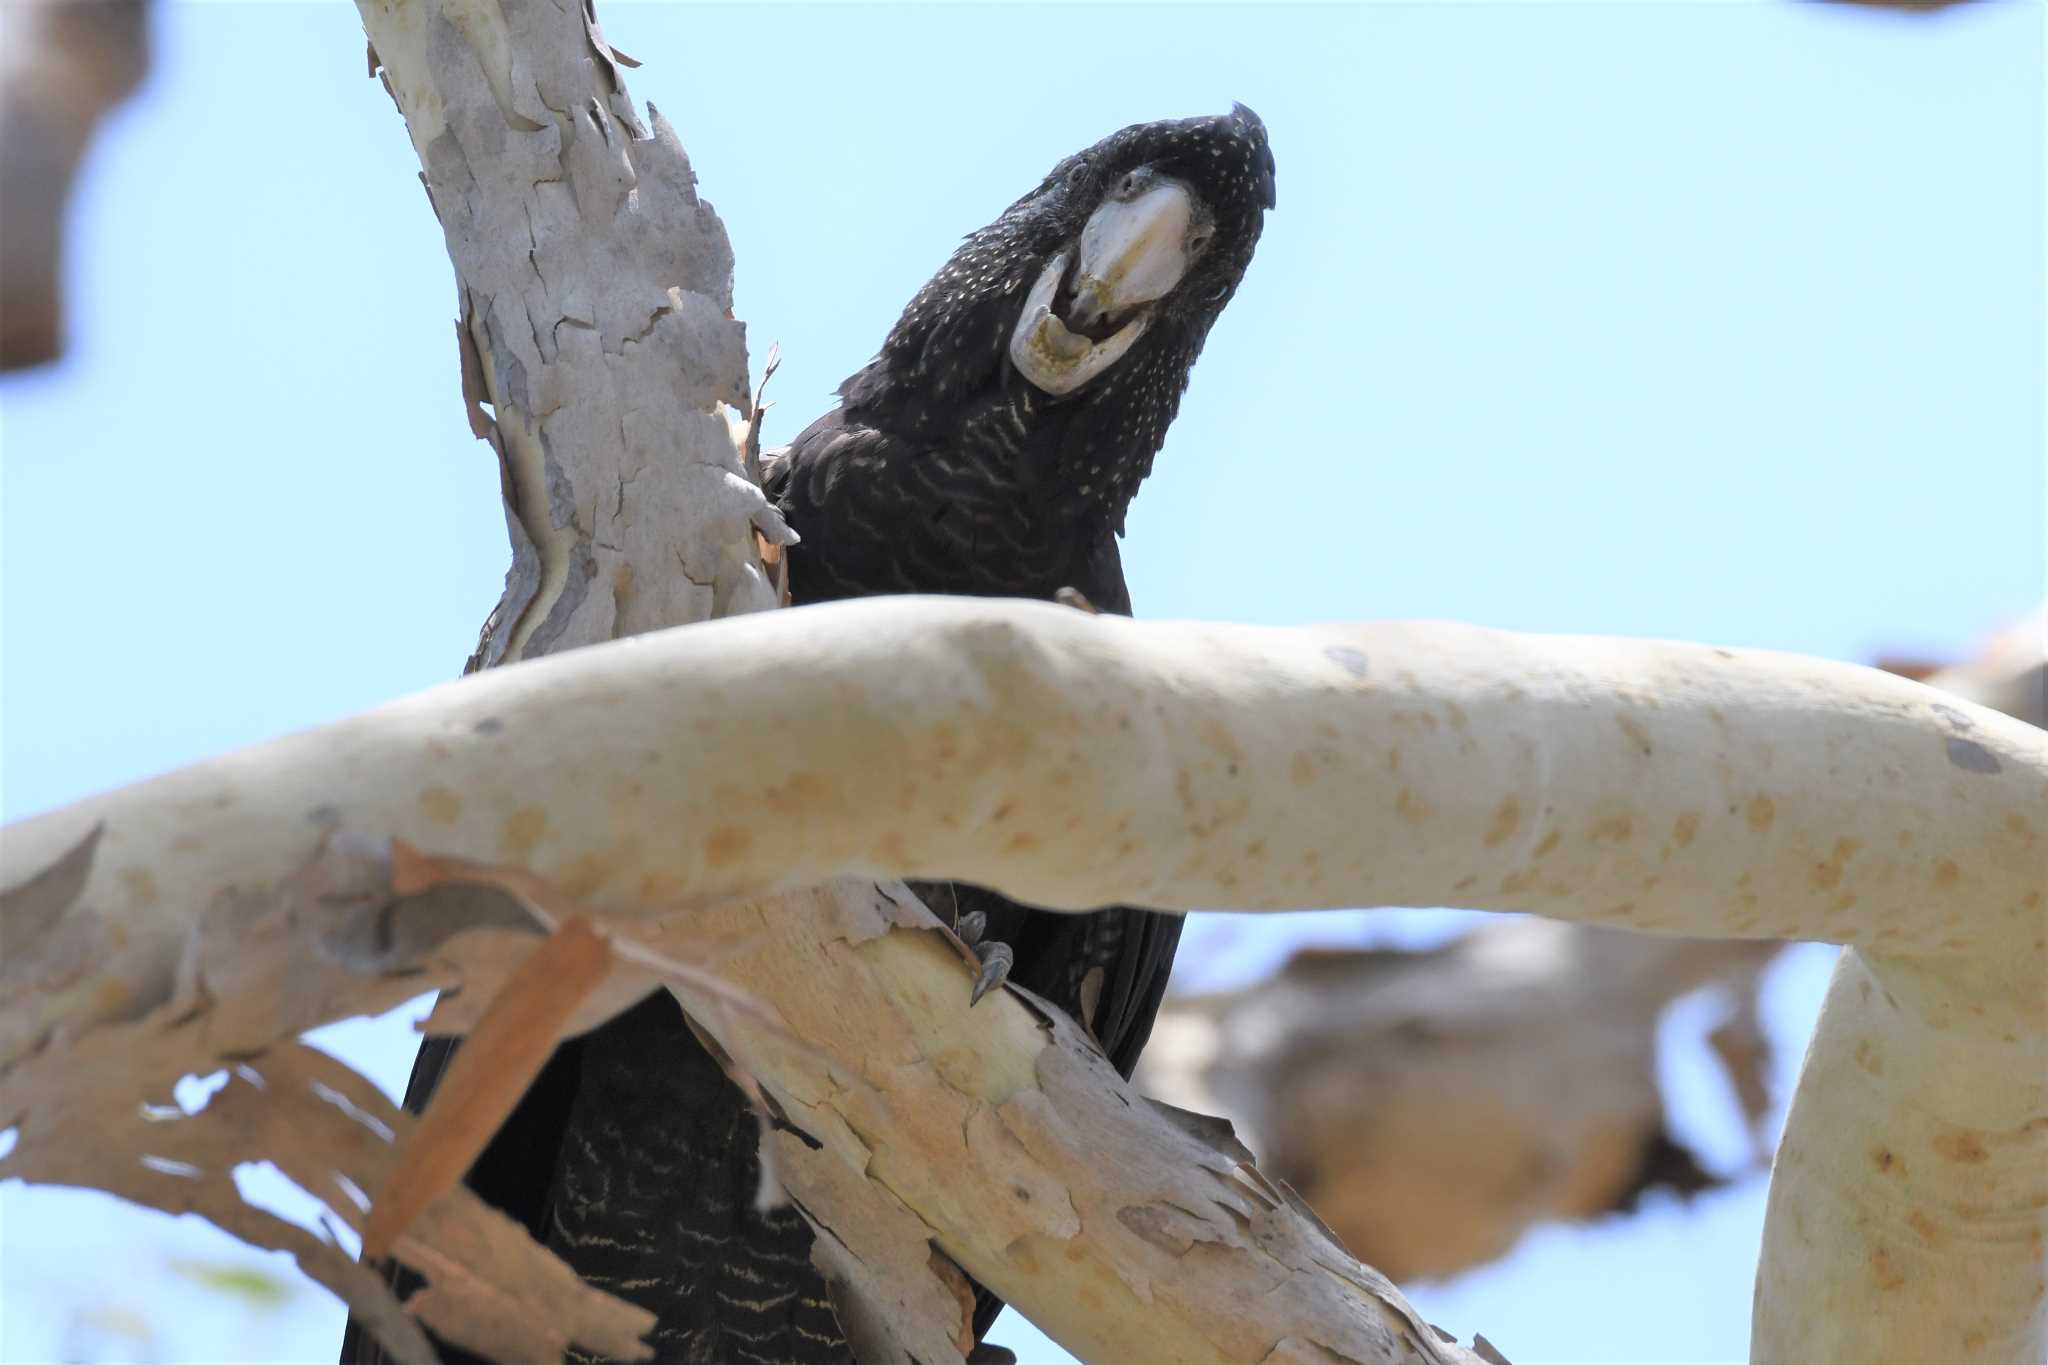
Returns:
point(996, 958)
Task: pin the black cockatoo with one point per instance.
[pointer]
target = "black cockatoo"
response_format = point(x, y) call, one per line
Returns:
point(990, 449)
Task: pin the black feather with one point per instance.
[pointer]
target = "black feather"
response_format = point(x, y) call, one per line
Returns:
point(943, 470)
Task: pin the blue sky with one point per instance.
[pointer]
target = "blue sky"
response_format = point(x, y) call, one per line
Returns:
point(1718, 321)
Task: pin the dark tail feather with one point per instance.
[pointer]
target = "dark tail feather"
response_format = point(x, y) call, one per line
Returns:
point(637, 1161)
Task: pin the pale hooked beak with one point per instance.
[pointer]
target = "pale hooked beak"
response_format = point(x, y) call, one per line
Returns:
point(1132, 253)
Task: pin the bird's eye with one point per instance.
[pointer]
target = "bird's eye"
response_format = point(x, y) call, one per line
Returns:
point(1077, 175)
point(1219, 293)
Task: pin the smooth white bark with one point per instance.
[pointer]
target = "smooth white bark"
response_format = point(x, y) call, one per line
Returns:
point(1075, 761)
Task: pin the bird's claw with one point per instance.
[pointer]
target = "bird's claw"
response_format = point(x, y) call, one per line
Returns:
point(1073, 597)
point(996, 958)
point(996, 961)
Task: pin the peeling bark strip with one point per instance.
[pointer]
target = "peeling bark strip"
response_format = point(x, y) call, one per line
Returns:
point(329, 1131)
point(1709, 792)
point(506, 1050)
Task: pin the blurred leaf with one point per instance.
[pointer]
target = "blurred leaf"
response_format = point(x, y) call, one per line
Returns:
point(256, 1287)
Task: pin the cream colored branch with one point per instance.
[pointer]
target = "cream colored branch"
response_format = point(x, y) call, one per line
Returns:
point(1433, 1104)
point(1908, 1167)
point(1075, 760)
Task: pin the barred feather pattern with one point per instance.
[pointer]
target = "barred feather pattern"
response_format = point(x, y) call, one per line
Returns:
point(654, 1202)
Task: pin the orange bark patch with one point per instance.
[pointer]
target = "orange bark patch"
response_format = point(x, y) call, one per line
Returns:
point(1964, 1148)
point(1507, 818)
point(727, 844)
point(1760, 813)
point(142, 888)
point(112, 996)
point(588, 873)
point(1827, 876)
point(524, 828)
point(656, 887)
point(1217, 736)
point(440, 805)
point(804, 792)
point(1615, 829)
